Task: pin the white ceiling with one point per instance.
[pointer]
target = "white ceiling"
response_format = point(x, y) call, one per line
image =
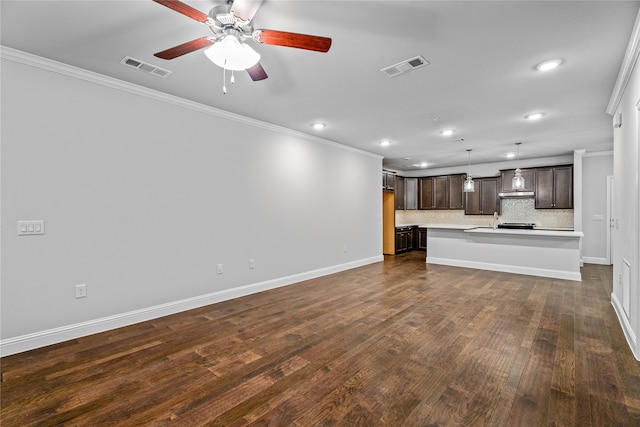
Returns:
point(481, 79)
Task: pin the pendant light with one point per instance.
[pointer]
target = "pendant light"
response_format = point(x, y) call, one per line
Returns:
point(517, 183)
point(469, 185)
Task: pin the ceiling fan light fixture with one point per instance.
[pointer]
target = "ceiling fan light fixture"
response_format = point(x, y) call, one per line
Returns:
point(230, 54)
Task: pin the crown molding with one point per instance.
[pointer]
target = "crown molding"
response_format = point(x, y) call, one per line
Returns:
point(628, 64)
point(93, 77)
point(598, 153)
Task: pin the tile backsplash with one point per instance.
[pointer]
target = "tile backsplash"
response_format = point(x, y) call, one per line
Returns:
point(523, 210)
point(513, 210)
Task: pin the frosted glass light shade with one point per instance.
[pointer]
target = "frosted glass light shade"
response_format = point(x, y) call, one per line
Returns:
point(469, 185)
point(230, 54)
point(517, 183)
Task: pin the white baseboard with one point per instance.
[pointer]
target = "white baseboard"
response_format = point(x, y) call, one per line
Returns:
point(626, 326)
point(554, 274)
point(52, 336)
point(595, 260)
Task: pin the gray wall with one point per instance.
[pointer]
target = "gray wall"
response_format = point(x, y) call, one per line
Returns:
point(143, 195)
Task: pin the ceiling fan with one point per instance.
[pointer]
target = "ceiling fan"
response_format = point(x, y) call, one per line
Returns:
point(231, 26)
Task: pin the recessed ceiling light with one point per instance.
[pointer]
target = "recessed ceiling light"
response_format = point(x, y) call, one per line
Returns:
point(318, 126)
point(447, 132)
point(511, 155)
point(385, 142)
point(549, 65)
point(534, 116)
point(420, 165)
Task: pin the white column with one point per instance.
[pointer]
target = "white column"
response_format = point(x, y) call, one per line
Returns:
point(577, 195)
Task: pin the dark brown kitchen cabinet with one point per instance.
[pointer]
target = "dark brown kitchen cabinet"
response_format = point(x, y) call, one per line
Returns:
point(410, 193)
point(456, 195)
point(399, 193)
point(434, 192)
point(563, 187)
point(441, 192)
point(484, 200)
point(507, 178)
point(388, 181)
point(405, 239)
point(425, 192)
point(554, 187)
point(422, 239)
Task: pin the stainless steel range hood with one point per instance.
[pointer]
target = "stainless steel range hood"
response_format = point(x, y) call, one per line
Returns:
point(517, 195)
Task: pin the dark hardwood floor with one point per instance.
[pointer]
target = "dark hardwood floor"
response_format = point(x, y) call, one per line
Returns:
point(397, 343)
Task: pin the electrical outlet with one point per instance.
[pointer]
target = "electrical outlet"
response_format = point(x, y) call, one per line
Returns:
point(81, 291)
point(219, 268)
point(252, 263)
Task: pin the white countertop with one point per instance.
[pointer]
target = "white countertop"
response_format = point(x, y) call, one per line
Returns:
point(541, 231)
point(535, 232)
point(444, 226)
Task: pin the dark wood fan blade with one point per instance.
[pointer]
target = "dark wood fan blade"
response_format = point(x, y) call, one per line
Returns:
point(184, 9)
point(257, 72)
point(245, 9)
point(184, 48)
point(299, 41)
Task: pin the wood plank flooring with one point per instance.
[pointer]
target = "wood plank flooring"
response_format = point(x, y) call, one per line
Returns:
point(397, 343)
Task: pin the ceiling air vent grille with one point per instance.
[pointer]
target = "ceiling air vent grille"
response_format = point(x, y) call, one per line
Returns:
point(144, 66)
point(405, 66)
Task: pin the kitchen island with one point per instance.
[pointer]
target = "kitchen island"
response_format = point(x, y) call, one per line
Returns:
point(538, 252)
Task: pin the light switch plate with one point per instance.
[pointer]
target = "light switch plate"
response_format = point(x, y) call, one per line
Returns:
point(30, 228)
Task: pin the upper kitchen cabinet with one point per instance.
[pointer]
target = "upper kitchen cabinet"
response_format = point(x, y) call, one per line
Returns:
point(410, 193)
point(554, 187)
point(484, 200)
point(388, 181)
point(456, 195)
point(507, 177)
point(399, 196)
point(434, 192)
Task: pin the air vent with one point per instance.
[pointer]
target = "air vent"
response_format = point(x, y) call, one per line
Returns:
point(144, 66)
point(405, 66)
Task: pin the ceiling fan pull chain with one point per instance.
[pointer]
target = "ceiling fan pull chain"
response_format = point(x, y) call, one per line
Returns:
point(233, 79)
point(224, 78)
